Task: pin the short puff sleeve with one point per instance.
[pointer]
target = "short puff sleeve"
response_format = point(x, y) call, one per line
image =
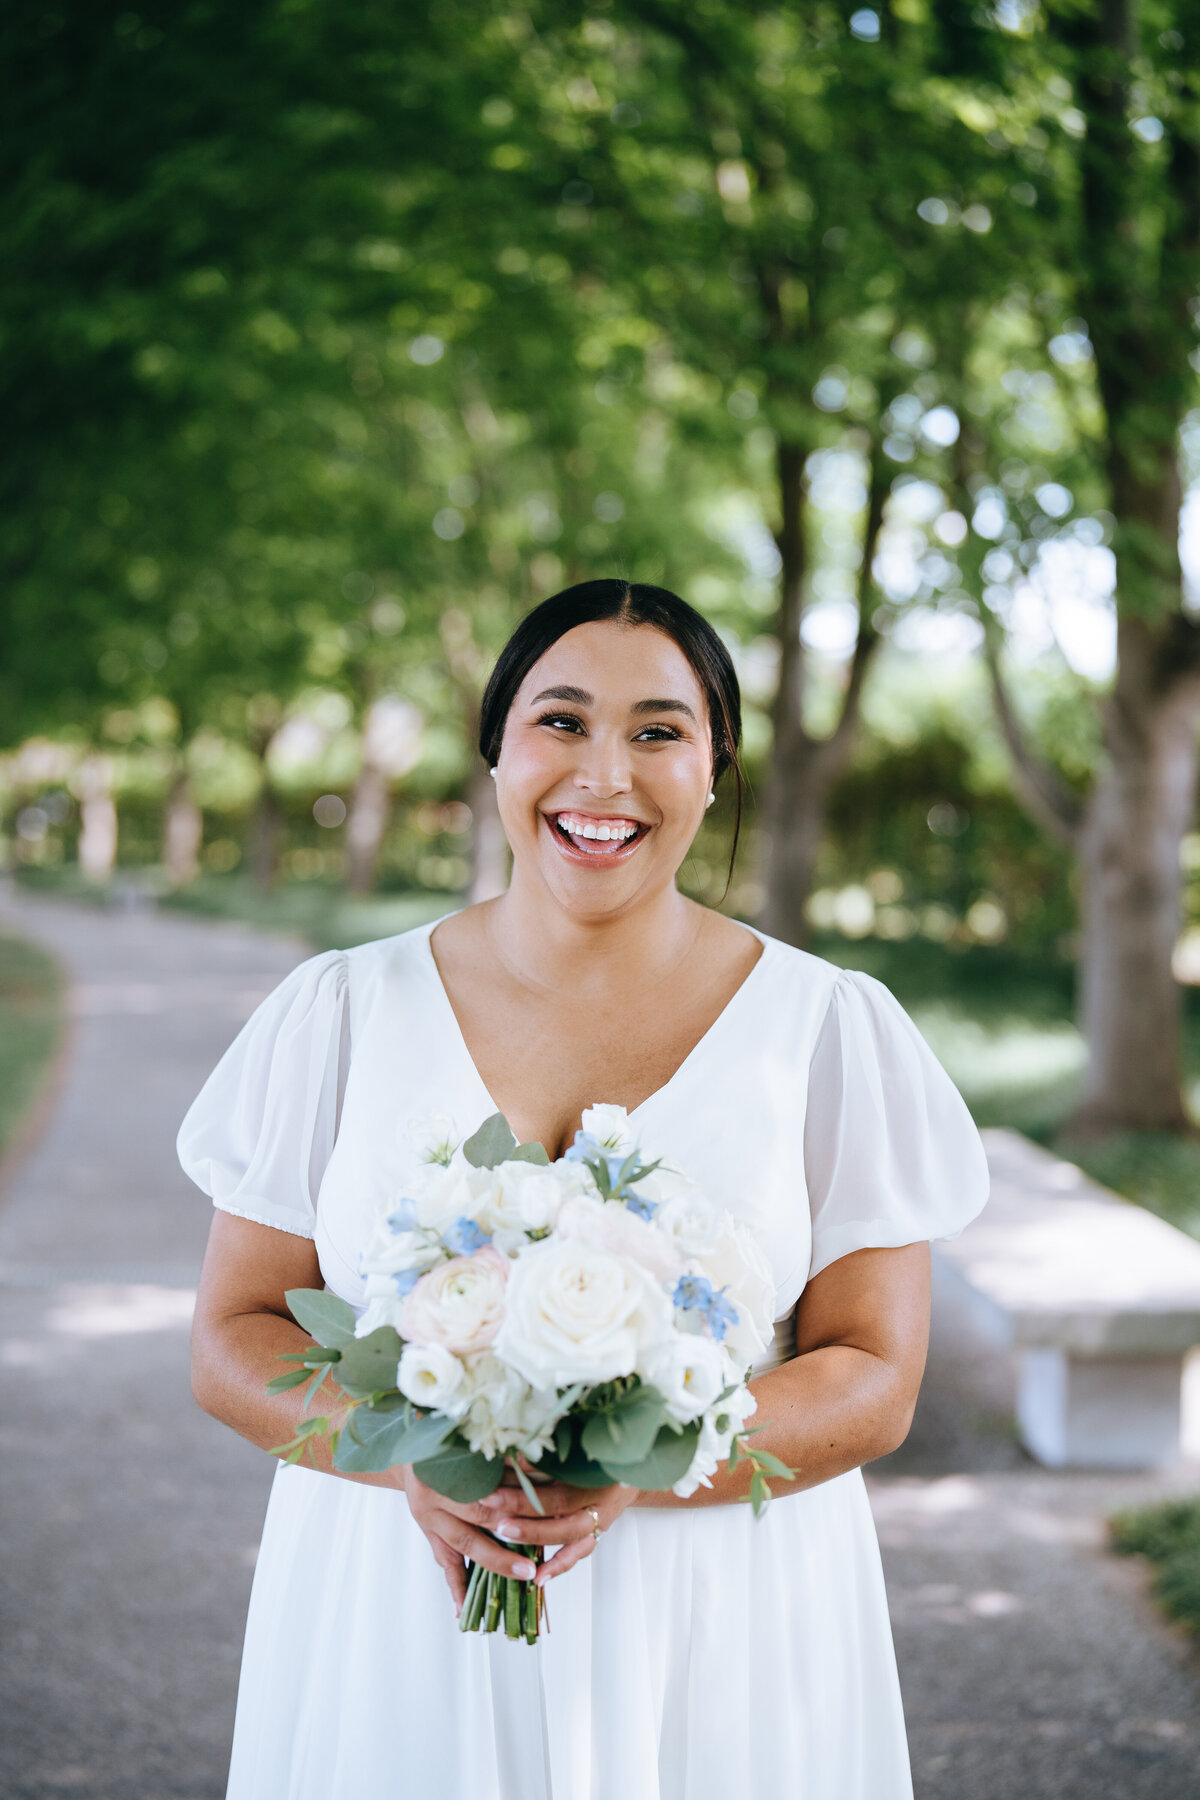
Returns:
point(260, 1132)
point(891, 1153)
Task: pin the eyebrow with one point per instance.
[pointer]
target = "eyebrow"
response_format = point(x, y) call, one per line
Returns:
point(581, 697)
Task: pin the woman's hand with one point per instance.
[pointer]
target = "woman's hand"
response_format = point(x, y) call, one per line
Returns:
point(458, 1532)
point(572, 1517)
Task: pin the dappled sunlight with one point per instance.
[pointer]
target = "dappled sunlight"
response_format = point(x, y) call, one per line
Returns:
point(105, 1311)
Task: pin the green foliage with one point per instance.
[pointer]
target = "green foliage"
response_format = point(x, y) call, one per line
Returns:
point(493, 1143)
point(367, 1365)
point(325, 1316)
point(1168, 1535)
point(374, 1440)
point(460, 1473)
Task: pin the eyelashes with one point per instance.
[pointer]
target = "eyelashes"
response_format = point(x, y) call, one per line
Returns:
point(573, 726)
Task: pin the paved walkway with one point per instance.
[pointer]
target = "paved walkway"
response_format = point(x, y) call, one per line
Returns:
point(1034, 1666)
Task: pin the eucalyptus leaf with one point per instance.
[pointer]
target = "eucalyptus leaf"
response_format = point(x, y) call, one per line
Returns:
point(626, 1433)
point(375, 1441)
point(493, 1143)
point(368, 1364)
point(282, 1383)
point(530, 1153)
point(460, 1473)
point(771, 1465)
point(322, 1314)
point(669, 1458)
point(573, 1466)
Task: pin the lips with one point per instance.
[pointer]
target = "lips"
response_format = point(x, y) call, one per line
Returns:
point(596, 838)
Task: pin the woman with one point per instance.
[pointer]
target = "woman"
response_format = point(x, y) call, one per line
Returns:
point(694, 1652)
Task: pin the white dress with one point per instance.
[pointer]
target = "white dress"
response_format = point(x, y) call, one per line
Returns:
point(698, 1654)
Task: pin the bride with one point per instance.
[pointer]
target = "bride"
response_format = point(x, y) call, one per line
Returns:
point(694, 1652)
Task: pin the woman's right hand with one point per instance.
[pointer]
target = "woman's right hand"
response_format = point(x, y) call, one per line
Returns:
point(458, 1533)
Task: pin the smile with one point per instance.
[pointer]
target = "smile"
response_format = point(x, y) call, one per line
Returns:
point(582, 835)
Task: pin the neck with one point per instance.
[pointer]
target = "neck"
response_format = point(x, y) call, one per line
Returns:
point(544, 946)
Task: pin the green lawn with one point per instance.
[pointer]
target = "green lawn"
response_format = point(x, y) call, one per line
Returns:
point(31, 1018)
point(317, 910)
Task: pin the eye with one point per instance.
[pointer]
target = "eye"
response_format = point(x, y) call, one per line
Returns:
point(562, 721)
point(658, 734)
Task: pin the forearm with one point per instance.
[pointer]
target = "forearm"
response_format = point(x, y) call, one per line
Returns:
point(231, 1365)
point(824, 1412)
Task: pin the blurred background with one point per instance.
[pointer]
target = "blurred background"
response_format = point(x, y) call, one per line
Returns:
point(334, 338)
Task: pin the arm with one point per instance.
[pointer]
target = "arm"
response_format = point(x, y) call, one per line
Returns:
point(242, 1326)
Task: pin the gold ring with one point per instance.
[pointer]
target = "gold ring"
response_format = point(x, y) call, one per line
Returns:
point(595, 1518)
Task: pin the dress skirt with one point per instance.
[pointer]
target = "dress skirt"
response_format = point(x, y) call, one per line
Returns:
point(699, 1654)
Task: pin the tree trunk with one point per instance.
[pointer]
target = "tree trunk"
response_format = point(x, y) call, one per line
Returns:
point(183, 833)
point(370, 808)
point(489, 846)
point(98, 817)
point(1142, 804)
point(803, 768)
point(265, 837)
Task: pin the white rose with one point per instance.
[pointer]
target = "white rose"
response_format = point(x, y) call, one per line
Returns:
point(382, 1308)
point(609, 1225)
point(433, 1136)
point(430, 1377)
point(713, 1446)
point(689, 1373)
point(736, 1263)
point(578, 1313)
point(438, 1196)
point(517, 1197)
point(685, 1215)
point(609, 1125)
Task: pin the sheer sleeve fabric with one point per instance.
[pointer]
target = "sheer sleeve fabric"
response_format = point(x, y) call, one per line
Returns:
point(260, 1132)
point(891, 1153)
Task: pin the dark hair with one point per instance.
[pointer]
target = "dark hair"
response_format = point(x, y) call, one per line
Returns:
point(628, 603)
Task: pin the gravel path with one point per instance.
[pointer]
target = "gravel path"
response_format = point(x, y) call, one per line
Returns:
point(1034, 1666)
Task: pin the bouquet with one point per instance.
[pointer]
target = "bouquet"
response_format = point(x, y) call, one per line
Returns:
point(591, 1320)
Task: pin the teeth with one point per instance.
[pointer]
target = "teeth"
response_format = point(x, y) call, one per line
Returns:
point(578, 827)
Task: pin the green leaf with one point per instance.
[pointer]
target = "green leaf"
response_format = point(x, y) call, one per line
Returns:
point(570, 1464)
point(530, 1153)
point(460, 1473)
point(771, 1465)
point(625, 1433)
point(527, 1487)
point(323, 1315)
point(669, 1458)
point(368, 1364)
point(493, 1143)
point(374, 1441)
point(282, 1383)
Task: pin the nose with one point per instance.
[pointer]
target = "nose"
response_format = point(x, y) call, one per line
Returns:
point(604, 769)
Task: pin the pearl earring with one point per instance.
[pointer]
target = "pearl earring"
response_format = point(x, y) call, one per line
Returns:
point(711, 798)
point(495, 774)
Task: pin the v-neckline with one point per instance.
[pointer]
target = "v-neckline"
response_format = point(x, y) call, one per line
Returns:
point(659, 1092)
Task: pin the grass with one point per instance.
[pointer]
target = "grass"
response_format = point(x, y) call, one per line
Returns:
point(317, 910)
point(31, 1017)
point(1168, 1536)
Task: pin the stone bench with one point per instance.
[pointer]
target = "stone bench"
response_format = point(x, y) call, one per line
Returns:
point(1098, 1300)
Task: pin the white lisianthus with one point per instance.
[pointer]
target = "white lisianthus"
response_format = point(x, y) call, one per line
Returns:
point(717, 1430)
point(383, 1308)
point(393, 1252)
point(575, 1312)
point(737, 1264)
point(438, 1196)
point(504, 1413)
point(459, 1304)
point(434, 1137)
point(431, 1377)
point(689, 1373)
point(515, 1198)
point(610, 1226)
point(684, 1214)
point(609, 1125)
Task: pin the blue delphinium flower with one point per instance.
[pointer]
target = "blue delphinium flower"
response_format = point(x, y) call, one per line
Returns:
point(695, 1293)
point(639, 1206)
point(405, 1280)
point(465, 1237)
point(403, 1217)
point(584, 1149)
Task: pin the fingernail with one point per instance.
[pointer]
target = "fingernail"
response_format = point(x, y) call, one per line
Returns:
point(524, 1571)
point(508, 1531)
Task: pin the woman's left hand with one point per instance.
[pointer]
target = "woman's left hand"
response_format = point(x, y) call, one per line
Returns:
point(575, 1518)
